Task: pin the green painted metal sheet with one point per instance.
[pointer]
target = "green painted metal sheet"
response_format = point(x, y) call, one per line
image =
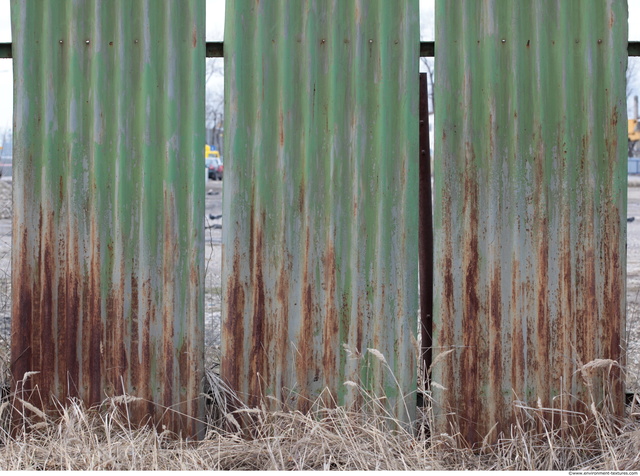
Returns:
point(320, 202)
point(108, 200)
point(530, 210)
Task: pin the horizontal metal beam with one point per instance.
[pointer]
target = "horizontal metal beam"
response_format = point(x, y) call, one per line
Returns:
point(427, 49)
point(215, 49)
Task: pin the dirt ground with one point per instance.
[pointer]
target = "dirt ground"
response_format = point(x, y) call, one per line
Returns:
point(633, 287)
point(213, 281)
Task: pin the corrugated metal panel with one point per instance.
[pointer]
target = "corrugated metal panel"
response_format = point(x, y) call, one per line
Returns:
point(109, 203)
point(530, 207)
point(320, 200)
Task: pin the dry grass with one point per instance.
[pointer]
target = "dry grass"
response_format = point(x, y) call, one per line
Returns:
point(101, 438)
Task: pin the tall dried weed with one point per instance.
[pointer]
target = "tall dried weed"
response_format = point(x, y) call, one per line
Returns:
point(241, 438)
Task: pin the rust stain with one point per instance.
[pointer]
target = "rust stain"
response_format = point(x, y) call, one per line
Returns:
point(146, 311)
point(95, 317)
point(281, 129)
point(187, 370)
point(63, 342)
point(257, 366)
point(447, 334)
point(117, 372)
point(613, 319)
point(518, 359)
point(304, 355)
point(112, 352)
point(301, 197)
point(282, 293)
point(471, 345)
point(22, 308)
point(135, 356)
point(496, 371)
point(47, 377)
point(72, 308)
point(169, 359)
point(194, 36)
point(331, 327)
point(233, 327)
point(561, 369)
point(541, 324)
point(170, 250)
point(36, 337)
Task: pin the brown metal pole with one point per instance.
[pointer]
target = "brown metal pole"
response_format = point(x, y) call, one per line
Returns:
point(425, 230)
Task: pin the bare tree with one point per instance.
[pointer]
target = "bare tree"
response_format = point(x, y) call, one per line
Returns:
point(214, 119)
point(429, 65)
point(214, 103)
point(632, 76)
point(213, 67)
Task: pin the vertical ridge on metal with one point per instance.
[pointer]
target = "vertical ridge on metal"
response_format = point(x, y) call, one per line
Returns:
point(530, 213)
point(109, 203)
point(320, 202)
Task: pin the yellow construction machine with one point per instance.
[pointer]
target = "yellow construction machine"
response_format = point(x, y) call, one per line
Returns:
point(633, 131)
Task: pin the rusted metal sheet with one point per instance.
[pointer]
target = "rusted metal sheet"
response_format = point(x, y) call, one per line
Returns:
point(530, 207)
point(320, 202)
point(108, 204)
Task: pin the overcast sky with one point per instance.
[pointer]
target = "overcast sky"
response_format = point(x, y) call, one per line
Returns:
point(215, 32)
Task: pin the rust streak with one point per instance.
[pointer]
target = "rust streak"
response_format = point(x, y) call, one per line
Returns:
point(301, 197)
point(22, 310)
point(169, 308)
point(257, 357)
point(496, 370)
point(518, 359)
point(95, 351)
point(147, 304)
point(233, 327)
point(281, 129)
point(134, 357)
point(282, 293)
point(331, 329)
point(72, 313)
point(472, 307)
point(304, 357)
point(47, 380)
